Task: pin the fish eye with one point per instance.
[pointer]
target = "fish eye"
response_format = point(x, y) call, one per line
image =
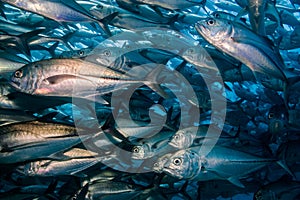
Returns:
point(136, 150)
point(81, 53)
point(191, 50)
point(99, 6)
point(107, 53)
point(210, 22)
point(18, 74)
point(176, 137)
point(177, 161)
point(271, 115)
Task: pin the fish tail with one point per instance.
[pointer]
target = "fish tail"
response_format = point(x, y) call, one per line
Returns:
point(152, 82)
point(283, 164)
point(105, 21)
point(52, 49)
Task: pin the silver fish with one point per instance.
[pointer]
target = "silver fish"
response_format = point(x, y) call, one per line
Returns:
point(241, 43)
point(56, 10)
point(113, 190)
point(172, 5)
point(220, 164)
point(198, 56)
point(10, 98)
point(30, 140)
point(9, 116)
point(58, 77)
point(129, 20)
point(76, 161)
point(60, 11)
point(8, 66)
point(154, 146)
point(185, 138)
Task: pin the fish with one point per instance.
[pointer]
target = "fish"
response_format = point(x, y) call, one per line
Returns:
point(10, 116)
point(58, 77)
point(128, 20)
point(198, 56)
point(76, 160)
point(133, 22)
point(20, 42)
point(238, 41)
point(288, 18)
point(55, 10)
point(172, 5)
point(195, 136)
point(10, 98)
point(217, 165)
point(31, 140)
point(152, 91)
point(59, 11)
point(113, 190)
point(256, 9)
point(8, 66)
point(81, 53)
point(154, 146)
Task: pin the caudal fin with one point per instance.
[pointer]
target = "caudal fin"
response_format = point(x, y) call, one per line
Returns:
point(152, 82)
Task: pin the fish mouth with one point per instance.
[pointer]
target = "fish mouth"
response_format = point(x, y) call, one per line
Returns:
point(200, 26)
point(14, 84)
point(160, 164)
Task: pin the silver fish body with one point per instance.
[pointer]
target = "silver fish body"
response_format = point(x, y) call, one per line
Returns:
point(30, 140)
point(72, 78)
point(9, 116)
point(172, 5)
point(220, 163)
point(55, 10)
point(242, 44)
point(10, 98)
point(112, 190)
point(76, 161)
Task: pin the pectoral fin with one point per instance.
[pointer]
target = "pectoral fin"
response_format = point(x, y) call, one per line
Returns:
point(235, 181)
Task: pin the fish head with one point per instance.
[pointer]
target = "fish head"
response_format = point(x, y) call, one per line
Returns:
point(138, 152)
point(101, 10)
point(214, 30)
point(183, 164)
point(196, 54)
point(25, 78)
point(183, 138)
point(190, 54)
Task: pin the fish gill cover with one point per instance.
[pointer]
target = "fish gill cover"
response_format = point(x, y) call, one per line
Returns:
point(149, 99)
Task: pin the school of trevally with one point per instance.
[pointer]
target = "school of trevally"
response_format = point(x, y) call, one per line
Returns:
point(150, 99)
